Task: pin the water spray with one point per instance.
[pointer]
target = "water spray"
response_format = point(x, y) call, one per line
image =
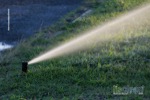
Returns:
point(24, 67)
point(131, 20)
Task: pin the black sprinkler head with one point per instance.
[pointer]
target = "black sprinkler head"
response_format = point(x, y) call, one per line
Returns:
point(25, 67)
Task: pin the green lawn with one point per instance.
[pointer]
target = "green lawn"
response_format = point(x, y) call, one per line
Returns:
point(88, 74)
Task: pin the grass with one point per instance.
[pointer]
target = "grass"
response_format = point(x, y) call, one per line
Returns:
point(88, 74)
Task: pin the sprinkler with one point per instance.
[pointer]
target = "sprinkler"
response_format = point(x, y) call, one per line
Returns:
point(24, 67)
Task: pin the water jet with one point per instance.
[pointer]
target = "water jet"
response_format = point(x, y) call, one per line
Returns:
point(124, 26)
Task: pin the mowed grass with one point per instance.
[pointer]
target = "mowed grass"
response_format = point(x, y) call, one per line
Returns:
point(87, 74)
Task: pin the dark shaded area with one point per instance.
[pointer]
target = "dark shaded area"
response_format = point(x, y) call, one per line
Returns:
point(47, 2)
point(28, 17)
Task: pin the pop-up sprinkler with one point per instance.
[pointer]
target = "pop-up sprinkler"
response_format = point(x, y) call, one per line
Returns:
point(24, 67)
